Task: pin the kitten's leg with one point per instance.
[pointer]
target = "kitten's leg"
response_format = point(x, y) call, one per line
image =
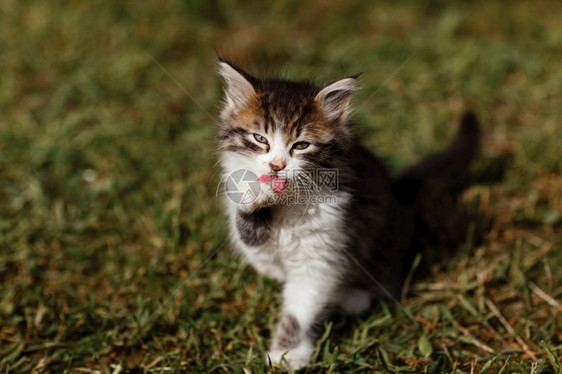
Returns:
point(355, 300)
point(253, 230)
point(307, 294)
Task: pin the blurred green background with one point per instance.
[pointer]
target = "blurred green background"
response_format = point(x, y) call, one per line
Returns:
point(109, 215)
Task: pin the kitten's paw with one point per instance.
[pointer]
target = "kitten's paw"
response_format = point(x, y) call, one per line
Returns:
point(294, 359)
point(355, 301)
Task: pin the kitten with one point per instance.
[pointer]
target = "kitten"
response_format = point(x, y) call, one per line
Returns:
point(311, 207)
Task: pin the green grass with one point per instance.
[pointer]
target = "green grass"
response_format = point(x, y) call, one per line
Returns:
point(108, 178)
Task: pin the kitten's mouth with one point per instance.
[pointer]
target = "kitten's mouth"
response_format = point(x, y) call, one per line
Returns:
point(276, 182)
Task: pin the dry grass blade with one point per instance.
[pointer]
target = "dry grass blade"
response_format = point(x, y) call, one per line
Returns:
point(543, 295)
point(510, 329)
point(474, 340)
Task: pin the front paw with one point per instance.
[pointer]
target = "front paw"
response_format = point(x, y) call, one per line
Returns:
point(293, 359)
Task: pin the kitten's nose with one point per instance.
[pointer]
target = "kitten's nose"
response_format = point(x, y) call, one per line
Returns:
point(277, 164)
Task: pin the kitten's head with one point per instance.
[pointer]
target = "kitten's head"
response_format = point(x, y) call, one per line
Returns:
point(272, 126)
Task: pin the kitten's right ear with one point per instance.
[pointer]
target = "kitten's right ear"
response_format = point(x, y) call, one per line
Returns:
point(335, 98)
point(238, 89)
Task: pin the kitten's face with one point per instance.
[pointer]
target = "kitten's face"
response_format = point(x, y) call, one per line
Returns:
point(275, 127)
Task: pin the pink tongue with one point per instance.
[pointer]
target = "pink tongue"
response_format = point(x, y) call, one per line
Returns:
point(276, 182)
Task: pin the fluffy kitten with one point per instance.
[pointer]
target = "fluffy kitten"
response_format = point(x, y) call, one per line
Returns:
point(323, 217)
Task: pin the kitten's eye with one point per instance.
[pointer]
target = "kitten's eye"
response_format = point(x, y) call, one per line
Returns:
point(301, 145)
point(261, 139)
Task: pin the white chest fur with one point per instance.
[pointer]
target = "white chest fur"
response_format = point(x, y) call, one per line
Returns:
point(301, 235)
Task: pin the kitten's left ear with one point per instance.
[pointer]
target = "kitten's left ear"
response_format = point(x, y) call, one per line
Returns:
point(336, 97)
point(239, 89)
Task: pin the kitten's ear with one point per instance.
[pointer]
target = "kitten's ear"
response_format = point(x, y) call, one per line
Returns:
point(238, 89)
point(336, 97)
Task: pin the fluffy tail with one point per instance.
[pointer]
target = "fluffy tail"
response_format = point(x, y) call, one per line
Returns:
point(441, 170)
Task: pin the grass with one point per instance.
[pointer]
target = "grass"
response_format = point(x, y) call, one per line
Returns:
point(109, 218)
